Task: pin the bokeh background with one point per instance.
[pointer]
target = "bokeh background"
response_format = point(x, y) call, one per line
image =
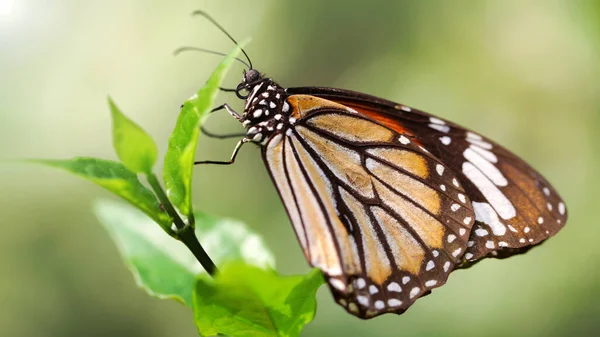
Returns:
point(525, 73)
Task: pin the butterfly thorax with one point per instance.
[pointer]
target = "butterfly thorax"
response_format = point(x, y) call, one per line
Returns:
point(266, 111)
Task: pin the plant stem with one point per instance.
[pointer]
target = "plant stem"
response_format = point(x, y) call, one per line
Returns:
point(185, 233)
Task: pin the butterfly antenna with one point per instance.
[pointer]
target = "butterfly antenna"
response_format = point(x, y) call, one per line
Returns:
point(209, 18)
point(202, 50)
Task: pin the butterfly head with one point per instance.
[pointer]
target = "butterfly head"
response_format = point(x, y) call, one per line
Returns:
point(266, 111)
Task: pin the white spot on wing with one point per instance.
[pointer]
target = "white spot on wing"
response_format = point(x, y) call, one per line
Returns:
point(495, 197)
point(337, 284)
point(360, 283)
point(486, 214)
point(441, 128)
point(486, 167)
point(363, 300)
point(445, 140)
point(481, 232)
point(430, 283)
point(395, 287)
point(480, 143)
point(488, 155)
point(404, 140)
point(456, 252)
point(561, 208)
point(440, 169)
point(392, 302)
point(435, 120)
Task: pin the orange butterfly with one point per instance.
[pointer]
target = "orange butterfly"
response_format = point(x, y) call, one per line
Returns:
point(385, 199)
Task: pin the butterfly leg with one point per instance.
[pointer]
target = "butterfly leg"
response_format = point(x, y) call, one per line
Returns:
point(214, 135)
point(233, 155)
point(231, 112)
point(229, 109)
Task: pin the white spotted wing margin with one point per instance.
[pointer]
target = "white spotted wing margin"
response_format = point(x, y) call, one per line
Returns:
point(516, 208)
point(380, 217)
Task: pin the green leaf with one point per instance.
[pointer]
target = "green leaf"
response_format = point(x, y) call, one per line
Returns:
point(134, 146)
point(116, 178)
point(245, 301)
point(179, 160)
point(164, 267)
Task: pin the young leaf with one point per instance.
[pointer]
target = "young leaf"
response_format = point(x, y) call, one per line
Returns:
point(164, 267)
point(244, 301)
point(134, 146)
point(179, 160)
point(116, 178)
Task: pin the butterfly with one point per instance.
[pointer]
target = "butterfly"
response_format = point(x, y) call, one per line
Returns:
point(385, 199)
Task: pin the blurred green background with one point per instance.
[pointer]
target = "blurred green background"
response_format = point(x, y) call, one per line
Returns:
point(525, 73)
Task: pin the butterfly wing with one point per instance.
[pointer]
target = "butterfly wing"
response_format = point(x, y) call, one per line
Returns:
point(515, 206)
point(380, 216)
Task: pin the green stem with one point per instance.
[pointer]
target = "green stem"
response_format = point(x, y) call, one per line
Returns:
point(185, 233)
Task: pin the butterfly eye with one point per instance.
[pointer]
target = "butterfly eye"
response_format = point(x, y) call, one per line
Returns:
point(251, 76)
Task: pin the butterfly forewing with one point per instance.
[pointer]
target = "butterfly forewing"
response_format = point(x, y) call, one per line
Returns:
point(515, 207)
point(383, 218)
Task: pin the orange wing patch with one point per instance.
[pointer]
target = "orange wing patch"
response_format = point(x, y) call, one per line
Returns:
point(407, 252)
point(376, 115)
point(302, 105)
point(321, 246)
point(426, 226)
point(345, 163)
point(346, 243)
point(377, 264)
point(409, 161)
point(353, 129)
point(413, 189)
